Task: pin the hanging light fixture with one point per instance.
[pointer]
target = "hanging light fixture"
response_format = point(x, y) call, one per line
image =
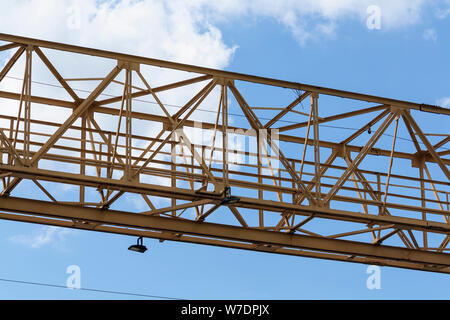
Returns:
point(138, 247)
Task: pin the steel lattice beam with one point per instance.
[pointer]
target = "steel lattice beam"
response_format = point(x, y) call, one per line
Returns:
point(404, 220)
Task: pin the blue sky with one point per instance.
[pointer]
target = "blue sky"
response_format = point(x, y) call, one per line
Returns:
point(407, 58)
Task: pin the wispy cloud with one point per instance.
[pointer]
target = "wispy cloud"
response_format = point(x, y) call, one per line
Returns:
point(430, 34)
point(444, 102)
point(444, 10)
point(49, 235)
point(442, 14)
point(188, 30)
point(314, 19)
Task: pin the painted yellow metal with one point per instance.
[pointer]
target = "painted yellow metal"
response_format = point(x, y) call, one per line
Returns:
point(291, 193)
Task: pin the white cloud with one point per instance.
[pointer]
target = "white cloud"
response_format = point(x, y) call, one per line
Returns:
point(430, 34)
point(150, 28)
point(443, 11)
point(186, 30)
point(444, 102)
point(313, 19)
point(49, 235)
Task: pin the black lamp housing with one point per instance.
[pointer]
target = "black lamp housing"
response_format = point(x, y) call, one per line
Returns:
point(138, 247)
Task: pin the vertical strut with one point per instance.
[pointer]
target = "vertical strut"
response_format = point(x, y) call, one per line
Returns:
point(314, 106)
point(224, 134)
point(128, 144)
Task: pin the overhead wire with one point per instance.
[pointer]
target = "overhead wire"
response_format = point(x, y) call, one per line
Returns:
point(89, 289)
